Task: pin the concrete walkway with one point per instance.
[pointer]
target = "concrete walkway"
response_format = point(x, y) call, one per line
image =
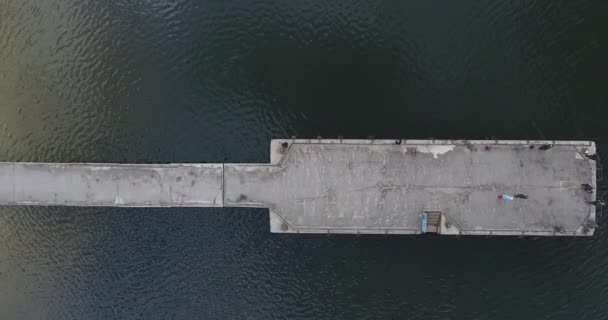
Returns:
point(111, 185)
point(349, 186)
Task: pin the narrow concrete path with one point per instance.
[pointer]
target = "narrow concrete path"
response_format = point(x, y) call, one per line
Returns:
point(113, 185)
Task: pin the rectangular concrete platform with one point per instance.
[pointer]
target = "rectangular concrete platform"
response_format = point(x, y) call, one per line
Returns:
point(120, 185)
point(351, 186)
point(378, 186)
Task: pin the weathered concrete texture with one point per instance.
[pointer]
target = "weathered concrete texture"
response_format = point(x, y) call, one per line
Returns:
point(130, 185)
point(349, 186)
point(381, 187)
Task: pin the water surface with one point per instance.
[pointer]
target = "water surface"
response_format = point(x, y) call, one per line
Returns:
point(212, 81)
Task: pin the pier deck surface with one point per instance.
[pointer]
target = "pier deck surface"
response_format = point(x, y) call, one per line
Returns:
point(384, 188)
point(349, 186)
point(113, 185)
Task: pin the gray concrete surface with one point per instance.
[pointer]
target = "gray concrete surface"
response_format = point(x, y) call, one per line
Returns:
point(349, 186)
point(363, 186)
point(121, 185)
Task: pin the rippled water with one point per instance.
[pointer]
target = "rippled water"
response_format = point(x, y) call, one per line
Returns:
point(192, 81)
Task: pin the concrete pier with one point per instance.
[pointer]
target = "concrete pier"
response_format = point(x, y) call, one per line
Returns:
point(111, 185)
point(351, 186)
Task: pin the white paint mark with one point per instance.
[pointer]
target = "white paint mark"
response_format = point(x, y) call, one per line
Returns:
point(119, 200)
point(435, 150)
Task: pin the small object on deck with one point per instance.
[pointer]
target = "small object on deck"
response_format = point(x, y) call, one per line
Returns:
point(398, 141)
point(545, 147)
point(587, 187)
point(285, 145)
point(425, 220)
point(487, 148)
point(505, 197)
point(521, 196)
point(592, 156)
point(597, 203)
point(590, 223)
point(532, 146)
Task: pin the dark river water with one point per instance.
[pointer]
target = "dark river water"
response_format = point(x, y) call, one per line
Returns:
point(213, 81)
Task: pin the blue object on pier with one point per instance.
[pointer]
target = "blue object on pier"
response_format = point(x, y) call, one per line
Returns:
point(425, 219)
